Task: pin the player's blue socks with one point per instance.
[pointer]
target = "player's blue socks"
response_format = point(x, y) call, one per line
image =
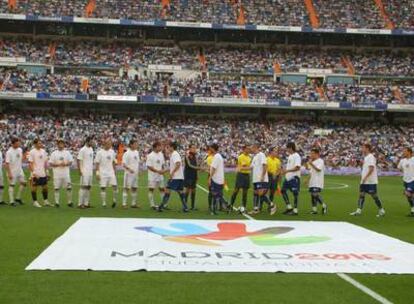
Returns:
point(244, 198)
point(295, 199)
point(410, 200)
point(285, 197)
point(377, 201)
point(164, 201)
point(264, 199)
point(361, 202)
point(183, 201)
point(193, 195)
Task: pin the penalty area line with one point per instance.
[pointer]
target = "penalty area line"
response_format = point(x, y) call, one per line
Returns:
point(343, 276)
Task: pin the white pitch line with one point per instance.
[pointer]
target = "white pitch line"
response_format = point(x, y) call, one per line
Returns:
point(364, 289)
point(343, 276)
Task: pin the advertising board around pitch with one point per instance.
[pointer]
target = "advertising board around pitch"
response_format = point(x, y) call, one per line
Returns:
point(135, 244)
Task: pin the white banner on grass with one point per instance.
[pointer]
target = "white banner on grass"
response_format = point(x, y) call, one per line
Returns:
point(224, 246)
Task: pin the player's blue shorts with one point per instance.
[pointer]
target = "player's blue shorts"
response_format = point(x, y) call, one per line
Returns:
point(368, 188)
point(292, 185)
point(409, 187)
point(261, 186)
point(216, 189)
point(315, 190)
point(175, 184)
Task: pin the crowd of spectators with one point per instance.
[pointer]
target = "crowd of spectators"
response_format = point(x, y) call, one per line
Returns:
point(14, 80)
point(218, 60)
point(348, 14)
point(400, 12)
point(331, 13)
point(341, 148)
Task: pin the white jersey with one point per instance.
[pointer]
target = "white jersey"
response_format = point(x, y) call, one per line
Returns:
point(293, 161)
point(317, 177)
point(59, 157)
point(218, 165)
point(156, 161)
point(85, 156)
point(257, 168)
point(105, 160)
point(174, 159)
point(38, 159)
point(406, 165)
point(14, 158)
point(130, 159)
point(369, 161)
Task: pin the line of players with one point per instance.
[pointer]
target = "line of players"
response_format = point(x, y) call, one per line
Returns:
point(265, 173)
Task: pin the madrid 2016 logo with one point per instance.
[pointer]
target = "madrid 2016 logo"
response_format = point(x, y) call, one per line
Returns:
point(198, 235)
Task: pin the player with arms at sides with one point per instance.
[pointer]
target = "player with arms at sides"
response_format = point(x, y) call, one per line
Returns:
point(130, 163)
point(316, 167)
point(156, 168)
point(38, 172)
point(260, 181)
point(292, 179)
point(14, 170)
point(105, 162)
point(85, 165)
point(242, 179)
point(406, 165)
point(216, 179)
point(274, 165)
point(191, 175)
point(369, 181)
point(208, 162)
point(176, 177)
point(60, 161)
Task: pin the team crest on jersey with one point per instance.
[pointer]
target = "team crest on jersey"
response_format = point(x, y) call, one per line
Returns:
point(158, 161)
point(135, 157)
point(108, 157)
point(61, 158)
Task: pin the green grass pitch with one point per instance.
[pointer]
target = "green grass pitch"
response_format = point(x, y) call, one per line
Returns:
point(26, 231)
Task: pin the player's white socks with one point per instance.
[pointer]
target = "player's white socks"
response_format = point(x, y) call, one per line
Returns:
point(57, 197)
point(289, 206)
point(87, 196)
point(81, 197)
point(103, 197)
point(134, 198)
point(11, 194)
point(314, 209)
point(151, 198)
point(124, 197)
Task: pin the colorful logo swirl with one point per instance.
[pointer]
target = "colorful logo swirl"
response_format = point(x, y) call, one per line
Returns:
point(227, 231)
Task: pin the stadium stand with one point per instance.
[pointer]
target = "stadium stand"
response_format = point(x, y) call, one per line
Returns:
point(325, 14)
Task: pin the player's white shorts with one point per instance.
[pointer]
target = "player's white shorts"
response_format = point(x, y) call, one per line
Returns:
point(17, 179)
point(107, 181)
point(157, 183)
point(62, 182)
point(86, 180)
point(130, 180)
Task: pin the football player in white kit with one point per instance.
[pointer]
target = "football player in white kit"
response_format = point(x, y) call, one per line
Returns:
point(260, 180)
point(406, 165)
point(85, 166)
point(216, 179)
point(369, 181)
point(176, 177)
point(61, 160)
point(156, 169)
point(14, 170)
point(38, 172)
point(105, 161)
point(130, 163)
point(292, 179)
point(316, 167)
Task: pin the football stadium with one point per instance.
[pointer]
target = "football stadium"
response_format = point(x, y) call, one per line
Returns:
point(184, 151)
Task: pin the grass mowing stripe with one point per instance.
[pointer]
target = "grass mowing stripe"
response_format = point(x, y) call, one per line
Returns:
point(343, 276)
point(364, 289)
